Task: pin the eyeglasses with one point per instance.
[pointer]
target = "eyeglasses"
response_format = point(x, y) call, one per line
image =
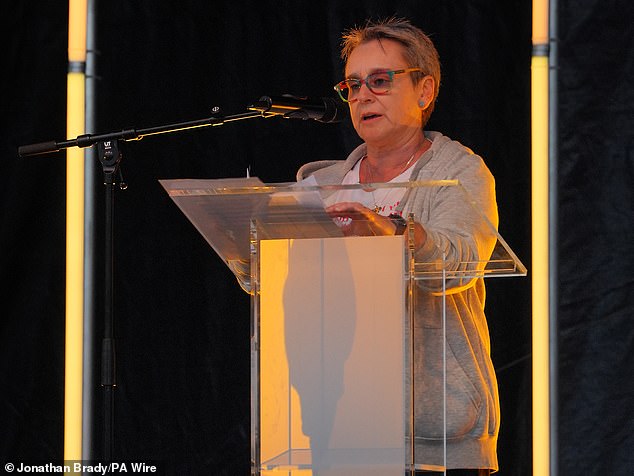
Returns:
point(378, 83)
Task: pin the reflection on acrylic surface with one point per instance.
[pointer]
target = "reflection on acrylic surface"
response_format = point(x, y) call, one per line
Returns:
point(331, 362)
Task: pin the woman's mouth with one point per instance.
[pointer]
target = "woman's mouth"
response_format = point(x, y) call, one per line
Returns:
point(370, 116)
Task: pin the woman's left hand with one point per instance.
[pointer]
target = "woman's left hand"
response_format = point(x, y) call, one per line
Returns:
point(357, 220)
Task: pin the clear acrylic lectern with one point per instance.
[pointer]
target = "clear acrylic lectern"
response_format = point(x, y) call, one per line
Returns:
point(332, 378)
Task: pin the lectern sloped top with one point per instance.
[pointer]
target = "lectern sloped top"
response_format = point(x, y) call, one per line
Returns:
point(224, 210)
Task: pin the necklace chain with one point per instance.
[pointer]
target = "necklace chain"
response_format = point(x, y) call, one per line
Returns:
point(377, 207)
point(371, 174)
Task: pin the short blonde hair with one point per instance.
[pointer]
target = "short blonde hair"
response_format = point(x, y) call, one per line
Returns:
point(418, 49)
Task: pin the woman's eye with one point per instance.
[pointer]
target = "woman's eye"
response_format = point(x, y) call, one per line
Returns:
point(379, 81)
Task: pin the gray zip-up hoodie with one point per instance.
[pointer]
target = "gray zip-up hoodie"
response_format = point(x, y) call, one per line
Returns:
point(461, 235)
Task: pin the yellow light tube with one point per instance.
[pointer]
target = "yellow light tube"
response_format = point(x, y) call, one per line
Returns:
point(73, 371)
point(540, 22)
point(77, 13)
point(74, 272)
point(540, 275)
point(540, 191)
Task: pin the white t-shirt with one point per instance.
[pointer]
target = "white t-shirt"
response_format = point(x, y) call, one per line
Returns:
point(384, 200)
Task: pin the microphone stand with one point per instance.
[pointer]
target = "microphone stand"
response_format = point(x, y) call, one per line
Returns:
point(88, 140)
point(110, 151)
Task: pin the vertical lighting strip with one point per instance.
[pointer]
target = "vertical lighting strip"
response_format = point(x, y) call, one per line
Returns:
point(540, 238)
point(74, 232)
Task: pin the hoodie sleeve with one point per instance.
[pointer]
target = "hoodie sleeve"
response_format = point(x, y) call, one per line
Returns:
point(460, 221)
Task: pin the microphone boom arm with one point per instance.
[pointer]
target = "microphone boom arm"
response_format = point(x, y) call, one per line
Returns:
point(88, 140)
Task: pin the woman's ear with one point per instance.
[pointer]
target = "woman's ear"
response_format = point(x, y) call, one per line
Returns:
point(428, 87)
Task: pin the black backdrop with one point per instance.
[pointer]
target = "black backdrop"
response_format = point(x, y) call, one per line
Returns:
point(596, 208)
point(181, 321)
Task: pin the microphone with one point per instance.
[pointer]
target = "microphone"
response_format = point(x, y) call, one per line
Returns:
point(296, 107)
